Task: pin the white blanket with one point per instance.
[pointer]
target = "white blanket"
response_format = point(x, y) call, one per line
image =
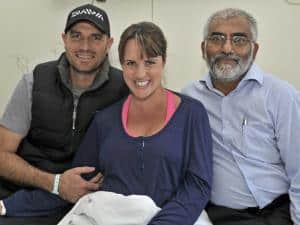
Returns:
point(107, 208)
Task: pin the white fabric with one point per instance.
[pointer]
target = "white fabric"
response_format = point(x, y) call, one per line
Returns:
point(115, 209)
point(3, 209)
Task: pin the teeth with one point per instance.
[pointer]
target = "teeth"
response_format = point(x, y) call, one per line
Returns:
point(84, 56)
point(141, 83)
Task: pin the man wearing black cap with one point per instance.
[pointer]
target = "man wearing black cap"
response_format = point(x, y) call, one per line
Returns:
point(51, 108)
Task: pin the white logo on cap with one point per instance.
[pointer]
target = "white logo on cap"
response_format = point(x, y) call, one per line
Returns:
point(87, 11)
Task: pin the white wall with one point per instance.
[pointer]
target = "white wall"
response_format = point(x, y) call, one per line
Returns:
point(31, 29)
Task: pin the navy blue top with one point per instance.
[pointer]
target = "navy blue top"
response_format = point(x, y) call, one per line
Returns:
point(173, 166)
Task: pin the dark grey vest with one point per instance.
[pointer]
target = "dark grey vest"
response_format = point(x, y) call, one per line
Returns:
point(51, 142)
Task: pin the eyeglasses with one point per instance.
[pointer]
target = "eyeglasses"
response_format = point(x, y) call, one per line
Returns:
point(236, 41)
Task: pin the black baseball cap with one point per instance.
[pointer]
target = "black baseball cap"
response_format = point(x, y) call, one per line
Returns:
point(90, 13)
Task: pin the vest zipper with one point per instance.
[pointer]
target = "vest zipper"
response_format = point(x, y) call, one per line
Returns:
point(74, 115)
point(74, 118)
point(74, 125)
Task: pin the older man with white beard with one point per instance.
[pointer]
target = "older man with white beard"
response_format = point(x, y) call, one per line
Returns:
point(254, 118)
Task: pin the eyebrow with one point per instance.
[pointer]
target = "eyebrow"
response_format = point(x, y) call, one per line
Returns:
point(98, 34)
point(217, 33)
point(234, 34)
point(153, 58)
point(73, 31)
point(240, 34)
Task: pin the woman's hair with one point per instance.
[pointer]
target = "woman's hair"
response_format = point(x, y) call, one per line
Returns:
point(149, 37)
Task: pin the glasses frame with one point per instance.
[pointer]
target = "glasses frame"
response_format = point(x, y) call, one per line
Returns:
point(236, 41)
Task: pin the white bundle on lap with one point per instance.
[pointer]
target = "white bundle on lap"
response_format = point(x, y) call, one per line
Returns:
point(115, 209)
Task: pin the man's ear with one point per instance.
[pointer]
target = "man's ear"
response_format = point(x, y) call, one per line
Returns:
point(110, 41)
point(203, 50)
point(255, 49)
point(64, 37)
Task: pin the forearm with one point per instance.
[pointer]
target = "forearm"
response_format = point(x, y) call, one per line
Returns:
point(17, 170)
point(185, 207)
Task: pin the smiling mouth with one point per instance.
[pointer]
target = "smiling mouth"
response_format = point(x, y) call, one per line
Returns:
point(142, 84)
point(84, 56)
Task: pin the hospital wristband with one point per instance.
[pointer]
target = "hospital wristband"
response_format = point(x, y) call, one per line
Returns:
point(56, 184)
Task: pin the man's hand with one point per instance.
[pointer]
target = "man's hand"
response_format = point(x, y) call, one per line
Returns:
point(72, 186)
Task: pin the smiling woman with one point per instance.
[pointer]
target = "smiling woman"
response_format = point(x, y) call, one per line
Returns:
point(142, 55)
point(142, 74)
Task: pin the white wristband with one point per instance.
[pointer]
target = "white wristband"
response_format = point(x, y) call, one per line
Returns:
point(56, 184)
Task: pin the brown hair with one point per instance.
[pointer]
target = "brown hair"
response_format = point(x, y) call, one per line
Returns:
point(150, 38)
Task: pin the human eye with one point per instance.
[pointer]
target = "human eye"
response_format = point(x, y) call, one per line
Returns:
point(240, 40)
point(75, 36)
point(97, 37)
point(130, 63)
point(216, 39)
point(149, 62)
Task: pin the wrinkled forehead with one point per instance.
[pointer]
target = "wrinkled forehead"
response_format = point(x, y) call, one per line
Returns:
point(230, 26)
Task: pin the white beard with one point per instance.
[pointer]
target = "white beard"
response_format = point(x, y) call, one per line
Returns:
point(227, 72)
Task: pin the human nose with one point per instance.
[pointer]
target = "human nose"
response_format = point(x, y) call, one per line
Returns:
point(141, 71)
point(85, 44)
point(227, 46)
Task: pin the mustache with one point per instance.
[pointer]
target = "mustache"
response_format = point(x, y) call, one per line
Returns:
point(221, 56)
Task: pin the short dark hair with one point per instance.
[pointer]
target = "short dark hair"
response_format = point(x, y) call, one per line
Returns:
point(150, 38)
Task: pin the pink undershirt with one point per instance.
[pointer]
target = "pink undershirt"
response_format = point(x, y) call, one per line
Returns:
point(171, 108)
